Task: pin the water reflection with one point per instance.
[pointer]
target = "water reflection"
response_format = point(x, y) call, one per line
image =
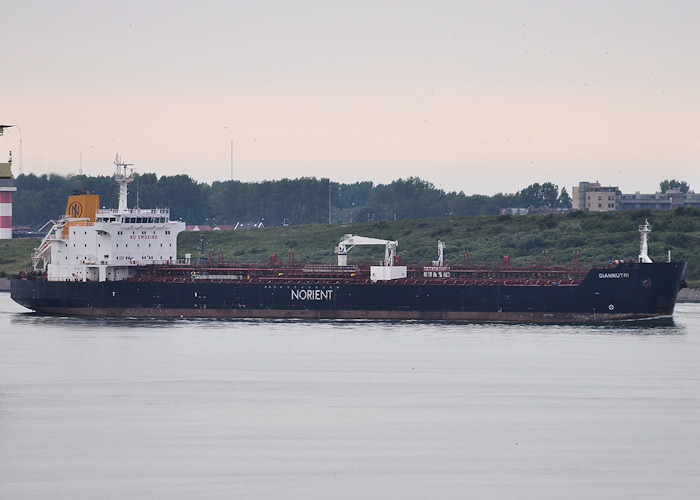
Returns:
point(277, 409)
point(30, 320)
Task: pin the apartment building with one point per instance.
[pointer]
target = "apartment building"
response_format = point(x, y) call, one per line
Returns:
point(593, 197)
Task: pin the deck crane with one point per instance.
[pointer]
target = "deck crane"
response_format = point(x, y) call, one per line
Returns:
point(351, 240)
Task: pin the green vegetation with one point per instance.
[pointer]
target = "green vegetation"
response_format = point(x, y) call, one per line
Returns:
point(544, 195)
point(288, 201)
point(599, 237)
point(682, 186)
point(15, 255)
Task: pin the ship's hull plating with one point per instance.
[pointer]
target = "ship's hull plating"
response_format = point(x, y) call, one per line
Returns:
point(630, 291)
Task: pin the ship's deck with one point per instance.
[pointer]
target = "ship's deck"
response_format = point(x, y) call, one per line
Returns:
point(423, 275)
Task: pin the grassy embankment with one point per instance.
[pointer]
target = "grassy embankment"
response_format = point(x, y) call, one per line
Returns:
point(599, 237)
point(15, 255)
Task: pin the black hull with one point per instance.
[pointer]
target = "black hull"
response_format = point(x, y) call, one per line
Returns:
point(628, 292)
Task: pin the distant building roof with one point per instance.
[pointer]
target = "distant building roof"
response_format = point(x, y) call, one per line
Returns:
point(514, 211)
point(249, 225)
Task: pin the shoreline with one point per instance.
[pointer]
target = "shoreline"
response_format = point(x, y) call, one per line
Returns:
point(689, 295)
point(685, 295)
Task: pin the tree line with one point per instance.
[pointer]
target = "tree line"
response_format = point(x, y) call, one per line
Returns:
point(304, 200)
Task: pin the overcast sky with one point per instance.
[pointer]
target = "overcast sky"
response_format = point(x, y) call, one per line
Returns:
point(474, 96)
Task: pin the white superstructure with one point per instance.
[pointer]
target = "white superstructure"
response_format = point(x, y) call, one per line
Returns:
point(108, 245)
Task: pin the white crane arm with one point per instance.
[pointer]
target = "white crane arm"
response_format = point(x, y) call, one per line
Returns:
point(351, 240)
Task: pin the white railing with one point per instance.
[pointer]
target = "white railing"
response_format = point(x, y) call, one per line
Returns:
point(135, 211)
point(92, 261)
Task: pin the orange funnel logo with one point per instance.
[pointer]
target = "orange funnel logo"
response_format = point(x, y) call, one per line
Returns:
point(75, 210)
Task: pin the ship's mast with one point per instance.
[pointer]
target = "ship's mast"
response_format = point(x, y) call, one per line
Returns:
point(644, 231)
point(123, 179)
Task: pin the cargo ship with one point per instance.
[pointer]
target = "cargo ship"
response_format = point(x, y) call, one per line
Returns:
point(124, 262)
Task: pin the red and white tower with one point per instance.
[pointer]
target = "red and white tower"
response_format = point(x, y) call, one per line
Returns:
point(6, 190)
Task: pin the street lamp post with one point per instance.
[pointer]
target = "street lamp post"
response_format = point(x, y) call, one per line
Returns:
point(20, 149)
point(2, 131)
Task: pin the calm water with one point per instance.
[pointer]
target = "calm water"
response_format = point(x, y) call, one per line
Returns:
point(261, 409)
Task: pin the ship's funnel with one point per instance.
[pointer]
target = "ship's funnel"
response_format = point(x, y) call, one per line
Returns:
point(81, 210)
